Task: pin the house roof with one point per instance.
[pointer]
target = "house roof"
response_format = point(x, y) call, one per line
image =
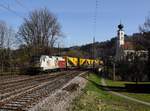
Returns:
point(128, 46)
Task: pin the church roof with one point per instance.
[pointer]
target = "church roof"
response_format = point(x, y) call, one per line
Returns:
point(128, 46)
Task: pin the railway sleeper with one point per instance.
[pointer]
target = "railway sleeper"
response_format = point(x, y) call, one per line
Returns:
point(34, 96)
point(18, 102)
point(13, 105)
point(10, 108)
point(8, 95)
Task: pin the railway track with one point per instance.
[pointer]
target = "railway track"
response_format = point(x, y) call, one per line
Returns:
point(9, 78)
point(23, 94)
point(18, 78)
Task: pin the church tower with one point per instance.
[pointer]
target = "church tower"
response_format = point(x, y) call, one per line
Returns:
point(120, 35)
point(120, 42)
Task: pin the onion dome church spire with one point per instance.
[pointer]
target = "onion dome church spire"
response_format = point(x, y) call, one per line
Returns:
point(120, 41)
point(120, 26)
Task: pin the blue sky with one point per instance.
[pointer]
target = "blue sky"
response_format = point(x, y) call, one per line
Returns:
point(76, 17)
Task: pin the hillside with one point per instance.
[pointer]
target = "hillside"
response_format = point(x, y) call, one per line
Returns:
point(104, 49)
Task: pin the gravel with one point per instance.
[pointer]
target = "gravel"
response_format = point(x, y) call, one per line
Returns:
point(61, 99)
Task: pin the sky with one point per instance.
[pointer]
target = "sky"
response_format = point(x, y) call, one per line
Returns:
point(77, 17)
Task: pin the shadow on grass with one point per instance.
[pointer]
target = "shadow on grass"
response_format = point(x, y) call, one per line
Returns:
point(130, 88)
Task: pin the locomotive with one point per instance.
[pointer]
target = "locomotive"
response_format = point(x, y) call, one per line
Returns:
point(51, 63)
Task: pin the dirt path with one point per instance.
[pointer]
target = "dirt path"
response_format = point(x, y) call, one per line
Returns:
point(124, 96)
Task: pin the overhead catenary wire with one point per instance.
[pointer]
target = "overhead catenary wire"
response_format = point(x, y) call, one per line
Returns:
point(10, 10)
point(95, 25)
point(21, 4)
point(95, 18)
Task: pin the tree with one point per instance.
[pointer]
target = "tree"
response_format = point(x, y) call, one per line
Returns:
point(3, 33)
point(6, 41)
point(3, 29)
point(145, 30)
point(40, 30)
point(146, 26)
point(145, 41)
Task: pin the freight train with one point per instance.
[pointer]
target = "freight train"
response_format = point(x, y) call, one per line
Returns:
point(50, 63)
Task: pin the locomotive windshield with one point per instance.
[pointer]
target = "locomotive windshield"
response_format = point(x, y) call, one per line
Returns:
point(35, 59)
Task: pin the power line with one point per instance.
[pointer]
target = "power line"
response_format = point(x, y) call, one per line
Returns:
point(20, 4)
point(94, 29)
point(10, 10)
point(95, 18)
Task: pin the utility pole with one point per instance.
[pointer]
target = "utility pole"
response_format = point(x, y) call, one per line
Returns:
point(94, 30)
point(114, 71)
point(93, 47)
point(93, 52)
point(58, 49)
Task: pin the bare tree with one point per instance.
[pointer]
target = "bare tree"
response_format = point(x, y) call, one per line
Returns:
point(3, 29)
point(3, 32)
point(40, 29)
point(145, 32)
point(6, 40)
point(146, 26)
point(145, 40)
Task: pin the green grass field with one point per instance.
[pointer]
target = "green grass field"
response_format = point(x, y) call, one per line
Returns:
point(140, 96)
point(122, 83)
point(94, 98)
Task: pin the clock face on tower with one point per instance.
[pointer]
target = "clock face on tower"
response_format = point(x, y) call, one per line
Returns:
point(121, 33)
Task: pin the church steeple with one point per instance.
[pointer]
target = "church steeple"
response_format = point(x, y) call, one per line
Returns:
point(120, 35)
point(120, 42)
point(120, 26)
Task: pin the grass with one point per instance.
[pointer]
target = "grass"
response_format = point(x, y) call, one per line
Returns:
point(117, 83)
point(122, 83)
point(93, 98)
point(143, 97)
point(140, 96)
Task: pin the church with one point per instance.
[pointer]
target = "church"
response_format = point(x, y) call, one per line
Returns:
point(125, 49)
